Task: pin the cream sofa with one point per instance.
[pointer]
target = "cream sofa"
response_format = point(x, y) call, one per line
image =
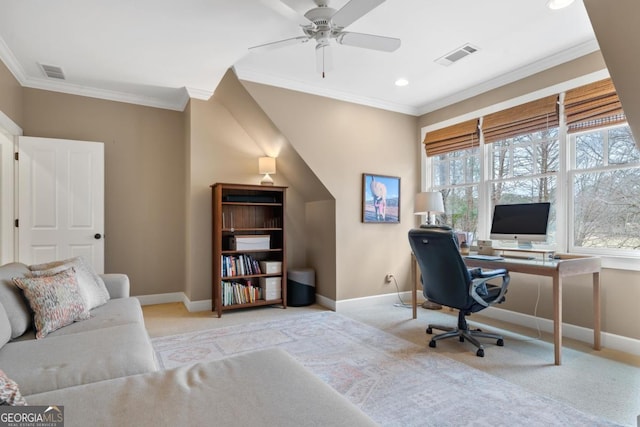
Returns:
point(104, 372)
point(112, 343)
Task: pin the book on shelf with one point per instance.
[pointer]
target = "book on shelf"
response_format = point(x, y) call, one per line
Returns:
point(240, 293)
point(239, 265)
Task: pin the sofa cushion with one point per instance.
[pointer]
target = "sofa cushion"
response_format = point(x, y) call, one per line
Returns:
point(119, 311)
point(68, 360)
point(55, 300)
point(5, 326)
point(92, 287)
point(9, 392)
point(268, 388)
point(13, 300)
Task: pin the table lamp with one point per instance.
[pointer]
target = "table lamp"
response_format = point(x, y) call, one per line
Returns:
point(266, 166)
point(427, 203)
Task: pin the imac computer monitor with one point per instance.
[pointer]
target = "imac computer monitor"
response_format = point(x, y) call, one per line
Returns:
point(523, 222)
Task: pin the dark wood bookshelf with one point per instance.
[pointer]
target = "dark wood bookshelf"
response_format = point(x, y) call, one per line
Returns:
point(240, 209)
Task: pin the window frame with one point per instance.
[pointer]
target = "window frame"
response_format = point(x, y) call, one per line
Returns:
point(572, 171)
point(564, 212)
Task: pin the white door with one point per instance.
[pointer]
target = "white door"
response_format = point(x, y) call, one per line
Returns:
point(6, 198)
point(60, 200)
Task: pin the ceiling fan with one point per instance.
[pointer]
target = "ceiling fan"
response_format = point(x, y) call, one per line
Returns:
point(323, 23)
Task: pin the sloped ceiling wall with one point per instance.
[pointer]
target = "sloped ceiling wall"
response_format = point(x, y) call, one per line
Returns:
point(616, 26)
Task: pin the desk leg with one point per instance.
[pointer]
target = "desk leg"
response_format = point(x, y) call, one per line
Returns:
point(557, 318)
point(596, 311)
point(414, 287)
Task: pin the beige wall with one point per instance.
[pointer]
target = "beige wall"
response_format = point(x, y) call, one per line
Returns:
point(10, 95)
point(621, 289)
point(616, 27)
point(228, 134)
point(340, 141)
point(144, 180)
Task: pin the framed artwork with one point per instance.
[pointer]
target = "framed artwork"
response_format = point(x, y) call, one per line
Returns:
point(380, 199)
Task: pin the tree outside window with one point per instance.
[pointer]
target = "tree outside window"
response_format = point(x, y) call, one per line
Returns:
point(606, 190)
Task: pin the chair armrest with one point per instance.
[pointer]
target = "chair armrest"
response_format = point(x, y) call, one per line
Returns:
point(117, 284)
point(478, 286)
point(480, 273)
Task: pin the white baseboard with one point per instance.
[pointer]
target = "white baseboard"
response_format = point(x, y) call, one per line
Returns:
point(391, 298)
point(326, 302)
point(579, 333)
point(160, 298)
point(193, 306)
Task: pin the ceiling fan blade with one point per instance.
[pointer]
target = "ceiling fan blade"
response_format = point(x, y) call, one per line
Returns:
point(369, 41)
point(281, 43)
point(324, 59)
point(353, 11)
point(289, 9)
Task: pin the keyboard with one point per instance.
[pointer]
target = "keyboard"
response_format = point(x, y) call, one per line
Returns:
point(485, 257)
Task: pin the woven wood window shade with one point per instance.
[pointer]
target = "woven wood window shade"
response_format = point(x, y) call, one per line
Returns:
point(453, 138)
point(593, 106)
point(526, 118)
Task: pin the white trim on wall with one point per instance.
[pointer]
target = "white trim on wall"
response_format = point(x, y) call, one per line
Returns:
point(161, 298)
point(9, 132)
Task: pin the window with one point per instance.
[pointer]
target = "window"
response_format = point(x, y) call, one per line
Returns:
point(524, 169)
point(589, 170)
point(605, 185)
point(457, 175)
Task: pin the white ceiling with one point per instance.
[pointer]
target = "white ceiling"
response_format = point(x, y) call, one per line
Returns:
point(160, 52)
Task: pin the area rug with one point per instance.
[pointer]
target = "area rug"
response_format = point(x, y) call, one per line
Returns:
point(394, 381)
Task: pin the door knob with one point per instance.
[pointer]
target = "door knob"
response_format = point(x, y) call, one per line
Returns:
point(97, 236)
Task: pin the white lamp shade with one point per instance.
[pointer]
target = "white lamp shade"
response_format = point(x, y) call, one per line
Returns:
point(267, 165)
point(426, 202)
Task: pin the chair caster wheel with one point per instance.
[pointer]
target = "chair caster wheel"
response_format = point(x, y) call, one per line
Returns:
point(429, 331)
point(480, 352)
point(432, 344)
point(500, 342)
point(461, 338)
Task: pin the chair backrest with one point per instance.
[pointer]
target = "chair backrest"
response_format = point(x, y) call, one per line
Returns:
point(445, 278)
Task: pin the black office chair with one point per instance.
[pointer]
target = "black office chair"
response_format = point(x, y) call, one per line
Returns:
point(447, 281)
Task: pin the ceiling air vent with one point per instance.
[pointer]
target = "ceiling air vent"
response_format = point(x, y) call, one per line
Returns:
point(457, 54)
point(52, 71)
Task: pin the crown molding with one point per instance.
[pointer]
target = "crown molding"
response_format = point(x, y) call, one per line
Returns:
point(543, 64)
point(202, 94)
point(11, 62)
point(109, 95)
point(258, 77)
point(9, 59)
point(182, 95)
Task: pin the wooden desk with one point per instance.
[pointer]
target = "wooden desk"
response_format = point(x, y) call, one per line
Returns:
point(557, 269)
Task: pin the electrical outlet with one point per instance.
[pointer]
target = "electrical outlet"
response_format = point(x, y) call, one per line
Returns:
point(387, 278)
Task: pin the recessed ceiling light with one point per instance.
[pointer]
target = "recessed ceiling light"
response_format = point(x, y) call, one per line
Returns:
point(558, 4)
point(402, 82)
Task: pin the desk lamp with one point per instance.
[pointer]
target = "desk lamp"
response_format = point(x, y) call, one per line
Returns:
point(425, 204)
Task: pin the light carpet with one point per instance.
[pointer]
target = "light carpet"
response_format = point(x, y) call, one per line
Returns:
point(394, 381)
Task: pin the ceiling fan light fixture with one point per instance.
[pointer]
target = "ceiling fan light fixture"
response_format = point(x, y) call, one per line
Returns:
point(325, 23)
point(401, 82)
point(558, 4)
